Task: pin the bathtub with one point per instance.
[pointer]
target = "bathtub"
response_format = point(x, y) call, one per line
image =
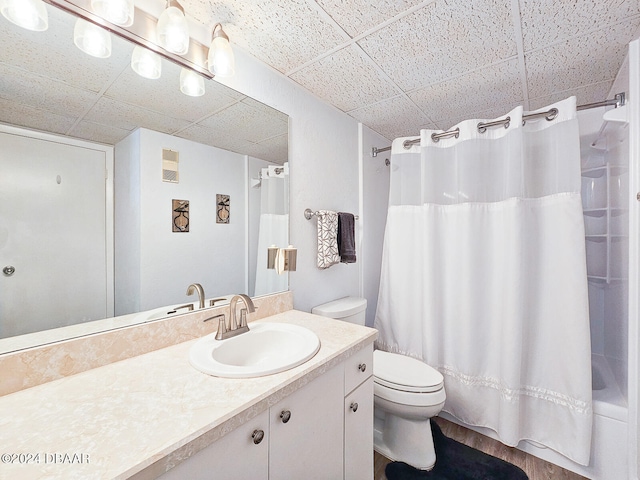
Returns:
point(609, 439)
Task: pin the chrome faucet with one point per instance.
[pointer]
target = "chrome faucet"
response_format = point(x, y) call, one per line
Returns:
point(235, 328)
point(196, 287)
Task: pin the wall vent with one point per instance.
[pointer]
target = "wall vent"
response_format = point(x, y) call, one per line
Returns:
point(170, 160)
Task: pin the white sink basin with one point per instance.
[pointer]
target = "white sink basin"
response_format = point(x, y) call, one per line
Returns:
point(265, 349)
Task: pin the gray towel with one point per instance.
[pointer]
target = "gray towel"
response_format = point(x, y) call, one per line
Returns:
point(346, 237)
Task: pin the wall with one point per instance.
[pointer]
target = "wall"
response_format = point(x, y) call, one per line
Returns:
point(211, 254)
point(323, 161)
point(375, 197)
point(127, 215)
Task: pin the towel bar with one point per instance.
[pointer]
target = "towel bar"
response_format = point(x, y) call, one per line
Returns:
point(308, 213)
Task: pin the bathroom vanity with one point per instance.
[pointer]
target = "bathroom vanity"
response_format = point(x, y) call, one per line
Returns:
point(154, 415)
point(322, 430)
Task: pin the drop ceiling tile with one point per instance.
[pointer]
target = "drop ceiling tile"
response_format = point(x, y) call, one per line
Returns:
point(346, 80)
point(235, 119)
point(587, 94)
point(392, 118)
point(548, 21)
point(580, 61)
point(215, 138)
point(284, 35)
point(98, 132)
point(128, 117)
point(274, 115)
point(22, 115)
point(479, 90)
point(442, 40)
point(163, 95)
point(358, 16)
point(488, 113)
point(273, 150)
point(44, 93)
point(52, 53)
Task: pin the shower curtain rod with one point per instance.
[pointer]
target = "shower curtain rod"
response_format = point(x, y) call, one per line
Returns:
point(618, 101)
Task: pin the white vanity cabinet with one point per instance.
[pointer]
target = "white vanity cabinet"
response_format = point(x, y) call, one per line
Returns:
point(305, 431)
point(316, 432)
point(358, 415)
point(241, 453)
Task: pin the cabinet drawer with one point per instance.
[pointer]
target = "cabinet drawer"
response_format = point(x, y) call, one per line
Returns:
point(358, 368)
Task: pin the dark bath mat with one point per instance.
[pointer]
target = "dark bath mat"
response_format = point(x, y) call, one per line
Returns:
point(456, 461)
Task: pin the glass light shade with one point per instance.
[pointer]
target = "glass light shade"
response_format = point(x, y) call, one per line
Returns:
point(119, 12)
point(220, 59)
point(92, 39)
point(191, 83)
point(146, 63)
point(29, 14)
point(172, 31)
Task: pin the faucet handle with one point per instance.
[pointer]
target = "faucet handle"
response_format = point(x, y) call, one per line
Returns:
point(222, 325)
point(243, 318)
point(188, 306)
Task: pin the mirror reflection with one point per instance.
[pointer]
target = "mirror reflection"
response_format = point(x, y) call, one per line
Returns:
point(84, 247)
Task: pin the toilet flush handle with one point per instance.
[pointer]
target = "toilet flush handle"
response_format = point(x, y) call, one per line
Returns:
point(362, 367)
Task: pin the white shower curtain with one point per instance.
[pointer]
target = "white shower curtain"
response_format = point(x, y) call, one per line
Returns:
point(484, 276)
point(274, 227)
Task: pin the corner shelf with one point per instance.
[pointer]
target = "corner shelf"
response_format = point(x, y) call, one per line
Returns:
point(604, 196)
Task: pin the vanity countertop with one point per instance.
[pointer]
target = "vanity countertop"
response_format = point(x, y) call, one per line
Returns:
point(134, 417)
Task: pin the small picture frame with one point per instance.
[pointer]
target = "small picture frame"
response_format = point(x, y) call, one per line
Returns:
point(180, 215)
point(222, 208)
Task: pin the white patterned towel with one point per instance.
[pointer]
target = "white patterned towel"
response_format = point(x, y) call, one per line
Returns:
point(327, 239)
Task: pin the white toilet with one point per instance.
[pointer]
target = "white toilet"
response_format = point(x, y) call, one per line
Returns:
point(407, 393)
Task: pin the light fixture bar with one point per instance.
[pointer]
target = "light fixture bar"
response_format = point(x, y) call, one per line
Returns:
point(195, 59)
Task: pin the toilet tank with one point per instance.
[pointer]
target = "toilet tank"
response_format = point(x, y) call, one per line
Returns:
point(348, 309)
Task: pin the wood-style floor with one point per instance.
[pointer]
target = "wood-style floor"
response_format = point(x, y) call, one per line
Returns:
point(534, 467)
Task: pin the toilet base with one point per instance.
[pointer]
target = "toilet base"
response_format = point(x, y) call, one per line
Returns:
point(402, 440)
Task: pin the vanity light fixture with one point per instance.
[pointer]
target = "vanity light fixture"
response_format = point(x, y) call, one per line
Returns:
point(220, 59)
point(146, 63)
point(119, 12)
point(191, 83)
point(172, 29)
point(29, 14)
point(92, 39)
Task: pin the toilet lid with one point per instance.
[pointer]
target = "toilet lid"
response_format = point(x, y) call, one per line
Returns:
point(405, 373)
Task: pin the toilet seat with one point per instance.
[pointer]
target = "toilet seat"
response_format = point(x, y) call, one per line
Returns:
point(405, 374)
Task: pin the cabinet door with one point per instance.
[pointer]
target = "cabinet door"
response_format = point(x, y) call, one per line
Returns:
point(358, 433)
point(237, 455)
point(307, 441)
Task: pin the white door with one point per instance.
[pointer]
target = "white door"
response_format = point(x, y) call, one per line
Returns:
point(53, 252)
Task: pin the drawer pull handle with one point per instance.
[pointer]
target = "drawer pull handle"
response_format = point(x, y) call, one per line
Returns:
point(258, 436)
point(285, 415)
point(362, 367)
point(354, 407)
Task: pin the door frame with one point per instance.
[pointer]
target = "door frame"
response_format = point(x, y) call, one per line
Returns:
point(109, 162)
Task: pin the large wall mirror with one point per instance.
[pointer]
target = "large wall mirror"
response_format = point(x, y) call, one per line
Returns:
point(56, 104)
